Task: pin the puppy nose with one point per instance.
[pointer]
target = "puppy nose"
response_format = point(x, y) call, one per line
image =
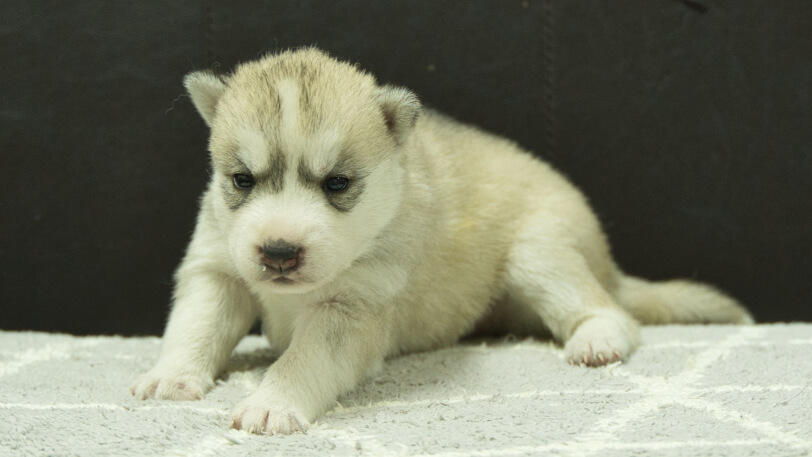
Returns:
point(281, 255)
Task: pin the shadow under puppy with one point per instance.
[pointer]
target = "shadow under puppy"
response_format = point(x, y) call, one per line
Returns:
point(359, 226)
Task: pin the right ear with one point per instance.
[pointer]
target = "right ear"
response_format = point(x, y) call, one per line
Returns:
point(205, 89)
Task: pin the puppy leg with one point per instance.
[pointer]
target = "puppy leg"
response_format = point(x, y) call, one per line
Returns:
point(334, 346)
point(557, 283)
point(210, 315)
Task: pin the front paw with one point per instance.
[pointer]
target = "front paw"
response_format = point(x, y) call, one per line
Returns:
point(257, 414)
point(164, 384)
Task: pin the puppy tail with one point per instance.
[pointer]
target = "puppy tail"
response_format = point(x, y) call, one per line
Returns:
point(679, 302)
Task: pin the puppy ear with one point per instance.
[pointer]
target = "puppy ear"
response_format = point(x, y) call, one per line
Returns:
point(205, 89)
point(400, 109)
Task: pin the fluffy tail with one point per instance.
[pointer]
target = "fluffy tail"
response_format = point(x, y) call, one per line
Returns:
point(679, 302)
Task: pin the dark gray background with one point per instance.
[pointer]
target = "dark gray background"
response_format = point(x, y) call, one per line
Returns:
point(688, 125)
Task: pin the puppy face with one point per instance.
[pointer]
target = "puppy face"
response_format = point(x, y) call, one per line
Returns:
point(306, 165)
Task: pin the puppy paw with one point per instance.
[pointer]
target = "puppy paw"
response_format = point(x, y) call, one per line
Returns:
point(597, 342)
point(163, 385)
point(254, 415)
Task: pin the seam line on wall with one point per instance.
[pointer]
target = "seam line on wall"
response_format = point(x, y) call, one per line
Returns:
point(548, 56)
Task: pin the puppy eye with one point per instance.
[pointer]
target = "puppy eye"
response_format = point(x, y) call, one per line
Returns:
point(243, 181)
point(336, 183)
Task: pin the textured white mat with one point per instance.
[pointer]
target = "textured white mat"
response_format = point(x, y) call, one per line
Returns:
point(689, 391)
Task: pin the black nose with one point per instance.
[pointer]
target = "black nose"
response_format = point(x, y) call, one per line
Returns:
point(281, 256)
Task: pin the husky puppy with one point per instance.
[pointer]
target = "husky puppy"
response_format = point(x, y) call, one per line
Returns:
point(359, 226)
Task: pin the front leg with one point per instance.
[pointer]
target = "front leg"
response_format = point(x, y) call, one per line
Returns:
point(334, 346)
point(210, 314)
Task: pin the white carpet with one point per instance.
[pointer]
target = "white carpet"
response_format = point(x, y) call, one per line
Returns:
point(689, 391)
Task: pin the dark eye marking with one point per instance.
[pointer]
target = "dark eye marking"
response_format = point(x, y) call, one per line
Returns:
point(335, 184)
point(243, 181)
point(342, 187)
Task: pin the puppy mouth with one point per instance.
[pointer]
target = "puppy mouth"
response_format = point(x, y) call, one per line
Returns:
point(278, 276)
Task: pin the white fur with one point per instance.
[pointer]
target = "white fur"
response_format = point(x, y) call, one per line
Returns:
point(455, 231)
point(255, 151)
point(289, 114)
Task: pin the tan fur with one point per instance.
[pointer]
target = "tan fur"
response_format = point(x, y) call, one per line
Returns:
point(444, 230)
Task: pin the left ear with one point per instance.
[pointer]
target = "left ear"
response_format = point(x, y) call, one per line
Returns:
point(400, 109)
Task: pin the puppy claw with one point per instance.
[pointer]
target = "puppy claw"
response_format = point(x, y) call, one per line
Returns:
point(301, 428)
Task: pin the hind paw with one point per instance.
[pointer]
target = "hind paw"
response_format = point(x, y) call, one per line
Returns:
point(597, 342)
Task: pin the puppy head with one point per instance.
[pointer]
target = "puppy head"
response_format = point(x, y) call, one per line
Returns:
point(306, 166)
